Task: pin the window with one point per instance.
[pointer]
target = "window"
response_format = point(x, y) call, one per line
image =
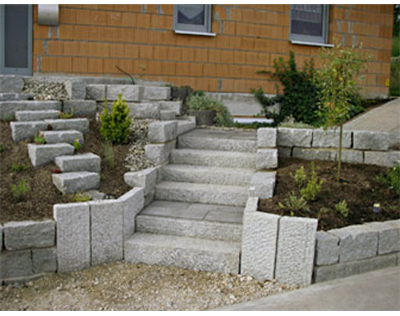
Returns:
point(309, 23)
point(192, 19)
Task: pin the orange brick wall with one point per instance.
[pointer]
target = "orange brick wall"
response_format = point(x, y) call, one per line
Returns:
point(91, 39)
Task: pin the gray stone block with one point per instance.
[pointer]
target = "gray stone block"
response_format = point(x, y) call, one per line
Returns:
point(330, 139)
point(29, 234)
point(84, 162)
point(267, 159)
point(144, 110)
point(11, 84)
point(15, 264)
point(146, 179)
point(132, 203)
point(16, 96)
point(296, 249)
point(73, 182)
point(185, 126)
point(107, 222)
point(42, 154)
point(175, 106)
point(26, 130)
point(1, 238)
point(44, 260)
point(262, 185)
point(8, 108)
point(388, 236)
point(356, 242)
point(76, 89)
point(260, 232)
point(156, 93)
point(80, 107)
point(161, 131)
point(167, 115)
point(79, 124)
point(314, 154)
point(371, 140)
point(128, 92)
point(56, 137)
point(294, 137)
point(73, 236)
point(284, 152)
point(31, 116)
point(326, 249)
point(96, 92)
point(379, 158)
point(351, 156)
point(266, 137)
point(159, 153)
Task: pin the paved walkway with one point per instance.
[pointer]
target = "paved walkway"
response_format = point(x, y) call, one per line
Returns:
point(385, 118)
point(377, 290)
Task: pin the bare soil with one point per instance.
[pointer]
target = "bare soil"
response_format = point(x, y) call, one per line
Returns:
point(358, 186)
point(42, 195)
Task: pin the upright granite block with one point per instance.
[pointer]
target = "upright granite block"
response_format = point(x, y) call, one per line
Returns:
point(11, 83)
point(73, 236)
point(327, 249)
point(351, 156)
point(162, 132)
point(26, 130)
point(314, 154)
point(144, 110)
point(260, 231)
point(294, 137)
point(8, 108)
point(77, 124)
point(388, 236)
point(128, 92)
point(29, 234)
point(330, 139)
point(107, 222)
point(56, 137)
point(73, 182)
point(284, 152)
point(159, 153)
point(175, 106)
point(266, 159)
point(296, 249)
point(42, 154)
point(32, 116)
point(132, 203)
point(262, 185)
point(96, 92)
point(146, 179)
point(80, 107)
point(44, 260)
point(371, 140)
point(83, 162)
point(15, 264)
point(266, 137)
point(76, 89)
point(379, 158)
point(156, 93)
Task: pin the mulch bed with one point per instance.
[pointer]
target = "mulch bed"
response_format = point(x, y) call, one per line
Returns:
point(43, 194)
point(359, 187)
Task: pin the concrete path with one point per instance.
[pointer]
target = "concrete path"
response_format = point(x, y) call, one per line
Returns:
point(385, 118)
point(377, 290)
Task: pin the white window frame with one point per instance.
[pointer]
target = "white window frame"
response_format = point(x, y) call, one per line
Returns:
point(313, 40)
point(182, 28)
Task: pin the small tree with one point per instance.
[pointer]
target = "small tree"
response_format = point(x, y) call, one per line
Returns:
point(338, 85)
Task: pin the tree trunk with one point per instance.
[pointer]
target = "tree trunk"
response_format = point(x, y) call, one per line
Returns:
point(340, 152)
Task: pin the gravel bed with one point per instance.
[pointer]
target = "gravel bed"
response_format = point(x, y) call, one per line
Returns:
point(126, 286)
point(45, 90)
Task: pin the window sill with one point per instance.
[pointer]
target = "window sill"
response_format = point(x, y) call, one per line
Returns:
point(195, 33)
point(311, 44)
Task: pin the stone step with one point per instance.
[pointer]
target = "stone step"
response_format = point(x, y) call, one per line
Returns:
point(80, 107)
point(211, 175)
point(31, 116)
point(73, 182)
point(202, 193)
point(167, 115)
point(78, 124)
point(55, 137)
point(8, 108)
point(185, 126)
point(183, 252)
point(26, 130)
point(16, 96)
point(84, 162)
point(42, 154)
point(175, 106)
point(223, 159)
point(208, 221)
point(219, 140)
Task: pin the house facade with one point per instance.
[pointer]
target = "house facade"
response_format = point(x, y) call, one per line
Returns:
point(216, 48)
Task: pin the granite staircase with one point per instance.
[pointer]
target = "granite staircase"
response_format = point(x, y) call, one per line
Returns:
point(195, 221)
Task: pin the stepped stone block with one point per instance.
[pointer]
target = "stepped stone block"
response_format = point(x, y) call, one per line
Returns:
point(73, 236)
point(159, 153)
point(84, 162)
point(80, 107)
point(8, 108)
point(266, 137)
point(330, 139)
point(15, 96)
point(15, 263)
point(167, 115)
point(73, 182)
point(26, 130)
point(388, 235)
point(162, 132)
point(267, 159)
point(42, 154)
point(132, 203)
point(56, 137)
point(156, 93)
point(314, 154)
point(31, 116)
point(144, 110)
point(129, 92)
point(146, 179)
point(327, 249)
point(371, 140)
point(262, 185)
point(185, 126)
point(175, 106)
point(184, 252)
point(10, 84)
point(386, 159)
point(202, 193)
point(79, 124)
point(96, 92)
point(294, 137)
point(76, 89)
point(44, 260)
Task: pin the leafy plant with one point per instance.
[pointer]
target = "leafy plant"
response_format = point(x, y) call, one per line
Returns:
point(109, 155)
point(300, 92)
point(1, 148)
point(337, 82)
point(342, 208)
point(115, 126)
point(313, 188)
point(294, 204)
point(199, 101)
point(8, 117)
point(80, 197)
point(77, 143)
point(300, 177)
point(65, 115)
point(39, 139)
point(20, 190)
point(392, 178)
point(18, 168)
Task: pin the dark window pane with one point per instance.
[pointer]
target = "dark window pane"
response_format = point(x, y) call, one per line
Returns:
point(307, 19)
point(191, 14)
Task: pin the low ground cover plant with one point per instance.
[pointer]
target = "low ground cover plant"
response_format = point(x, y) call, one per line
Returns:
point(20, 191)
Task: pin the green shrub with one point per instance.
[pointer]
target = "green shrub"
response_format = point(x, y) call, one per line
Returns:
point(198, 101)
point(65, 115)
point(77, 143)
point(80, 197)
point(342, 208)
point(300, 177)
point(313, 188)
point(20, 191)
point(391, 179)
point(39, 139)
point(18, 168)
point(115, 126)
point(294, 204)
